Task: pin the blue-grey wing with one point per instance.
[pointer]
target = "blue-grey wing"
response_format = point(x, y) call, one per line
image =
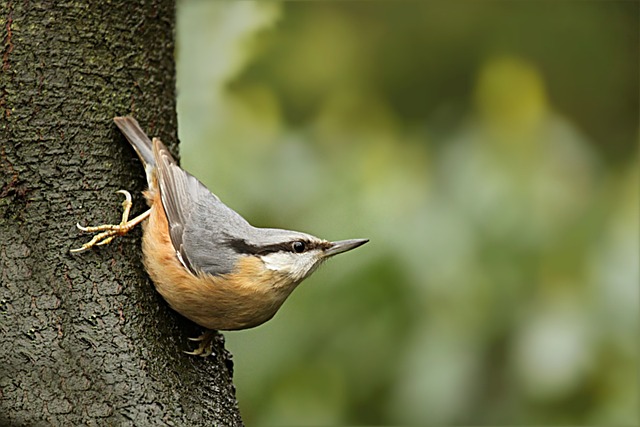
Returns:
point(200, 225)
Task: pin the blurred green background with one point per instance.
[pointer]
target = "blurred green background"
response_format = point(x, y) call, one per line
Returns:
point(487, 149)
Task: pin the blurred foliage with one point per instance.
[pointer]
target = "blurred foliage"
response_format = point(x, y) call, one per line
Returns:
point(487, 149)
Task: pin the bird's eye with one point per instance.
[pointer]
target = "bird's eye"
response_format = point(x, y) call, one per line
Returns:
point(298, 247)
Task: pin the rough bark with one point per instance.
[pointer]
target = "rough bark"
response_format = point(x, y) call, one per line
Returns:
point(85, 339)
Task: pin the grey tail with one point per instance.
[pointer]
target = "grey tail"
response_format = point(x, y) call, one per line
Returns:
point(139, 140)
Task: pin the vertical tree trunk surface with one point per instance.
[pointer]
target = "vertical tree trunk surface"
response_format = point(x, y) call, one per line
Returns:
point(85, 339)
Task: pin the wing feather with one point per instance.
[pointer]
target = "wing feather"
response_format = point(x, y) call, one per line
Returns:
point(199, 223)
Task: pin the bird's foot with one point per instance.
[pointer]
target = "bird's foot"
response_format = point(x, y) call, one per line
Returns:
point(107, 232)
point(205, 349)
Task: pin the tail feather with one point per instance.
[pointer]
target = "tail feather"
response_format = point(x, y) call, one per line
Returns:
point(139, 140)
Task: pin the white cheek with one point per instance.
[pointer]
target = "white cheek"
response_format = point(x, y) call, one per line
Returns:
point(298, 266)
point(277, 261)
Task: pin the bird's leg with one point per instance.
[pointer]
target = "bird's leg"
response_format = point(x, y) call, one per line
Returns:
point(109, 231)
point(205, 349)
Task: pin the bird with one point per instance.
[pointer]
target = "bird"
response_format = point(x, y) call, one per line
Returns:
point(206, 261)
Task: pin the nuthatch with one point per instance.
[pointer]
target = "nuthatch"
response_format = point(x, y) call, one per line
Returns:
point(205, 260)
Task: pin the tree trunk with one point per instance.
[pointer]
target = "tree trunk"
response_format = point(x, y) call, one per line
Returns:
point(86, 340)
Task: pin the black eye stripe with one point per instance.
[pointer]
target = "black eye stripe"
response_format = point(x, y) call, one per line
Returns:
point(242, 246)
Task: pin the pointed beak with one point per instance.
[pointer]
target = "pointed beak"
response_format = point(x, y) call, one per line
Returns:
point(343, 246)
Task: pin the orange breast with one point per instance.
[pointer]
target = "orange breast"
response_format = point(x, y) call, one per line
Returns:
point(247, 297)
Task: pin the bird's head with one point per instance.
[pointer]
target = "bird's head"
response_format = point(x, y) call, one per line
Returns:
point(290, 254)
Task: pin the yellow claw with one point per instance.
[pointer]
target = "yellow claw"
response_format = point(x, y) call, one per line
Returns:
point(205, 349)
point(109, 231)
